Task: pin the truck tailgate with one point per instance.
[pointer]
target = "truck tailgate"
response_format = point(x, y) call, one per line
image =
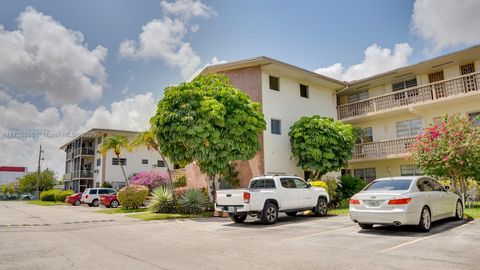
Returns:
point(230, 197)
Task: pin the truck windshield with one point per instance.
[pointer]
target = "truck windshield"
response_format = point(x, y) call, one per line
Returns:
point(262, 183)
point(398, 184)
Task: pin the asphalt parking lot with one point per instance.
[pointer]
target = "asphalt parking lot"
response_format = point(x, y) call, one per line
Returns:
point(65, 237)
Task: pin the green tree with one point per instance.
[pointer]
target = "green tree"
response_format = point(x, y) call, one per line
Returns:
point(29, 181)
point(451, 149)
point(321, 144)
point(209, 122)
point(116, 143)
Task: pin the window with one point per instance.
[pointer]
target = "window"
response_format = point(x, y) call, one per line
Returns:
point(276, 126)
point(123, 161)
point(400, 184)
point(475, 118)
point(409, 128)
point(467, 69)
point(274, 83)
point(435, 77)
point(304, 91)
point(92, 191)
point(103, 191)
point(300, 183)
point(262, 183)
point(424, 185)
point(99, 140)
point(366, 135)
point(144, 161)
point(367, 174)
point(398, 86)
point(436, 186)
point(99, 162)
point(160, 163)
point(410, 170)
point(357, 97)
point(287, 182)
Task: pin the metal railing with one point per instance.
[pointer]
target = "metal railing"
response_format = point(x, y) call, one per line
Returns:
point(382, 149)
point(83, 174)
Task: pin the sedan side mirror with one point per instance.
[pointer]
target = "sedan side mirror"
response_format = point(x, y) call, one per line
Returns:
point(309, 185)
point(447, 188)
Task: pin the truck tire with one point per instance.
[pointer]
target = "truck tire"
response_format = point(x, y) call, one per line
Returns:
point(291, 214)
point(238, 218)
point(321, 209)
point(269, 214)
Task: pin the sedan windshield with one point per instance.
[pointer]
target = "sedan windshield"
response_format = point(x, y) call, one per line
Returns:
point(400, 184)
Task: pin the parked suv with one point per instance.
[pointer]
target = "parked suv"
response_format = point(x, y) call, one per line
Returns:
point(91, 196)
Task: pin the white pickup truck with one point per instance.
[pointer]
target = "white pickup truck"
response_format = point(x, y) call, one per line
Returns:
point(266, 196)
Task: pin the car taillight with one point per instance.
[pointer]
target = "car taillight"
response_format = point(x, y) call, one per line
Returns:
point(399, 201)
point(86, 196)
point(354, 201)
point(246, 197)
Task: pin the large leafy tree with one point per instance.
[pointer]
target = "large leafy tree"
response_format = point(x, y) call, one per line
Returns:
point(29, 181)
point(116, 143)
point(209, 122)
point(449, 149)
point(321, 144)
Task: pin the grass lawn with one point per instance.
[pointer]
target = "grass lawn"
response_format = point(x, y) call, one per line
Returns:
point(473, 212)
point(42, 203)
point(338, 211)
point(154, 216)
point(121, 210)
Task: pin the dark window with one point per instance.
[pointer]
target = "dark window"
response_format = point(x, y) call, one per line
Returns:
point(401, 184)
point(144, 161)
point(160, 163)
point(436, 186)
point(103, 191)
point(92, 191)
point(122, 160)
point(300, 183)
point(274, 83)
point(276, 126)
point(304, 92)
point(367, 174)
point(287, 182)
point(410, 170)
point(424, 185)
point(99, 162)
point(99, 140)
point(357, 97)
point(262, 183)
point(366, 135)
point(404, 84)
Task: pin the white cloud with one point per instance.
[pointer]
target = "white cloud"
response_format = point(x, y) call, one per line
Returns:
point(165, 38)
point(21, 150)
point(447, 23)
point(44, 58)
point(377, 60)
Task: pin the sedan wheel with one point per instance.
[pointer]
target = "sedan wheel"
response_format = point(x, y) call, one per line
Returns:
point(114, 204)
point(76, 203)
point(95, 203)
point(425, 220)
point(459, 211)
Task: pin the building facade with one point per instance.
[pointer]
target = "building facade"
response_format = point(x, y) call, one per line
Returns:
point(86, 167)
point(11, 174)
point(391, 108)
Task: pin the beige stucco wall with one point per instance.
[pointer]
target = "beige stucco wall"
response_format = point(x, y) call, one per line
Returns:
point(383, 168)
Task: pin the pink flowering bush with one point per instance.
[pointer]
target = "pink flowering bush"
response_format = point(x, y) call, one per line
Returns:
point(150, 179)
point(450, 148)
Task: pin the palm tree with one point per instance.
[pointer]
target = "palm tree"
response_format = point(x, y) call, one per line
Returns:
point(149, 140)
point(116, 143)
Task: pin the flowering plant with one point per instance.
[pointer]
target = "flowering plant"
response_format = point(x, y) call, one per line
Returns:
point(150, 179)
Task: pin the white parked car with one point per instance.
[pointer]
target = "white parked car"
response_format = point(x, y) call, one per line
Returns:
point(412, 200)
point(269, 195)
point(91, 196)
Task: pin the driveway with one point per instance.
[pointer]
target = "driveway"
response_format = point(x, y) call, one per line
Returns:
point(66, 237)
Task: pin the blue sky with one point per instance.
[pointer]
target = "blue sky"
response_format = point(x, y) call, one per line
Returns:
point(74, 65)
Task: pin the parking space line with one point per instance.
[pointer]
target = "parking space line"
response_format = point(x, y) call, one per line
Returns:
point(319, 233)
point(423, 238)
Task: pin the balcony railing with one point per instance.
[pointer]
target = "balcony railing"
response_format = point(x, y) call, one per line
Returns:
point(69, 155)
point(83, 174)
point(67, 177)
point(382, 149)
point(433, 91)
point(84, 151)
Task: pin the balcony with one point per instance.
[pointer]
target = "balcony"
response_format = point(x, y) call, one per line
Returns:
point(69, 155)
point(381, 149)
point(428, 92)
point(83, 174)
point(67, 177)
point(85, 151)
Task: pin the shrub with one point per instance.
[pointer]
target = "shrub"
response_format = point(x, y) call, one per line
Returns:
point(180, 191)
point(107, 184)
point(132, 197)
point(49, 195)
point(319, 183)
point(151, 179)
point(60, 196)
point(162, 201)
point(180, 181)
point(344, 203)
point(350, 185)
point(193, 201)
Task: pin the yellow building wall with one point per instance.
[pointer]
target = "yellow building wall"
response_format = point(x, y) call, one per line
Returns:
point(383, 168)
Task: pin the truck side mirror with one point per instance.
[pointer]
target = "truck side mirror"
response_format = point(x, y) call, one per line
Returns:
point(309, 185)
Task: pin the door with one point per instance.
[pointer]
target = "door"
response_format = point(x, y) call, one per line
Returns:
point(469, 82)
point(304, 194)
point(439, 88)
point(431, 197)
point(289, 193)
point(448, 202)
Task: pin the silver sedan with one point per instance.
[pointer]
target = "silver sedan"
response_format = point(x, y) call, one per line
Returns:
point(411, 200)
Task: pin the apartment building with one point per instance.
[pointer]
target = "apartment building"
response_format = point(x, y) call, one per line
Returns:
point(86, 167)
point(391, 108)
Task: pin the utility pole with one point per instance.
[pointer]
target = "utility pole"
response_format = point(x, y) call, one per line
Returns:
point(37, 191)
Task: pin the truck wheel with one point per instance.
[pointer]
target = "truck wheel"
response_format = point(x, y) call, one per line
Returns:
point(269, 214)
point(238, 218)
point(291, 214)
point(321, 209)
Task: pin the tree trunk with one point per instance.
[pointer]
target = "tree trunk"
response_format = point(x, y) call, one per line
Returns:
point(123, 171)
point(463, 188)
point(170, 181)
point(213, 186)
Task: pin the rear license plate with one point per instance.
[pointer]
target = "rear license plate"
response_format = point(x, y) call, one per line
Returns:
point(373, 203)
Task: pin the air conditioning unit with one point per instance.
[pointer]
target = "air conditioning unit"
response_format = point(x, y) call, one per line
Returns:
point(95, 171)
point(154, 165)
